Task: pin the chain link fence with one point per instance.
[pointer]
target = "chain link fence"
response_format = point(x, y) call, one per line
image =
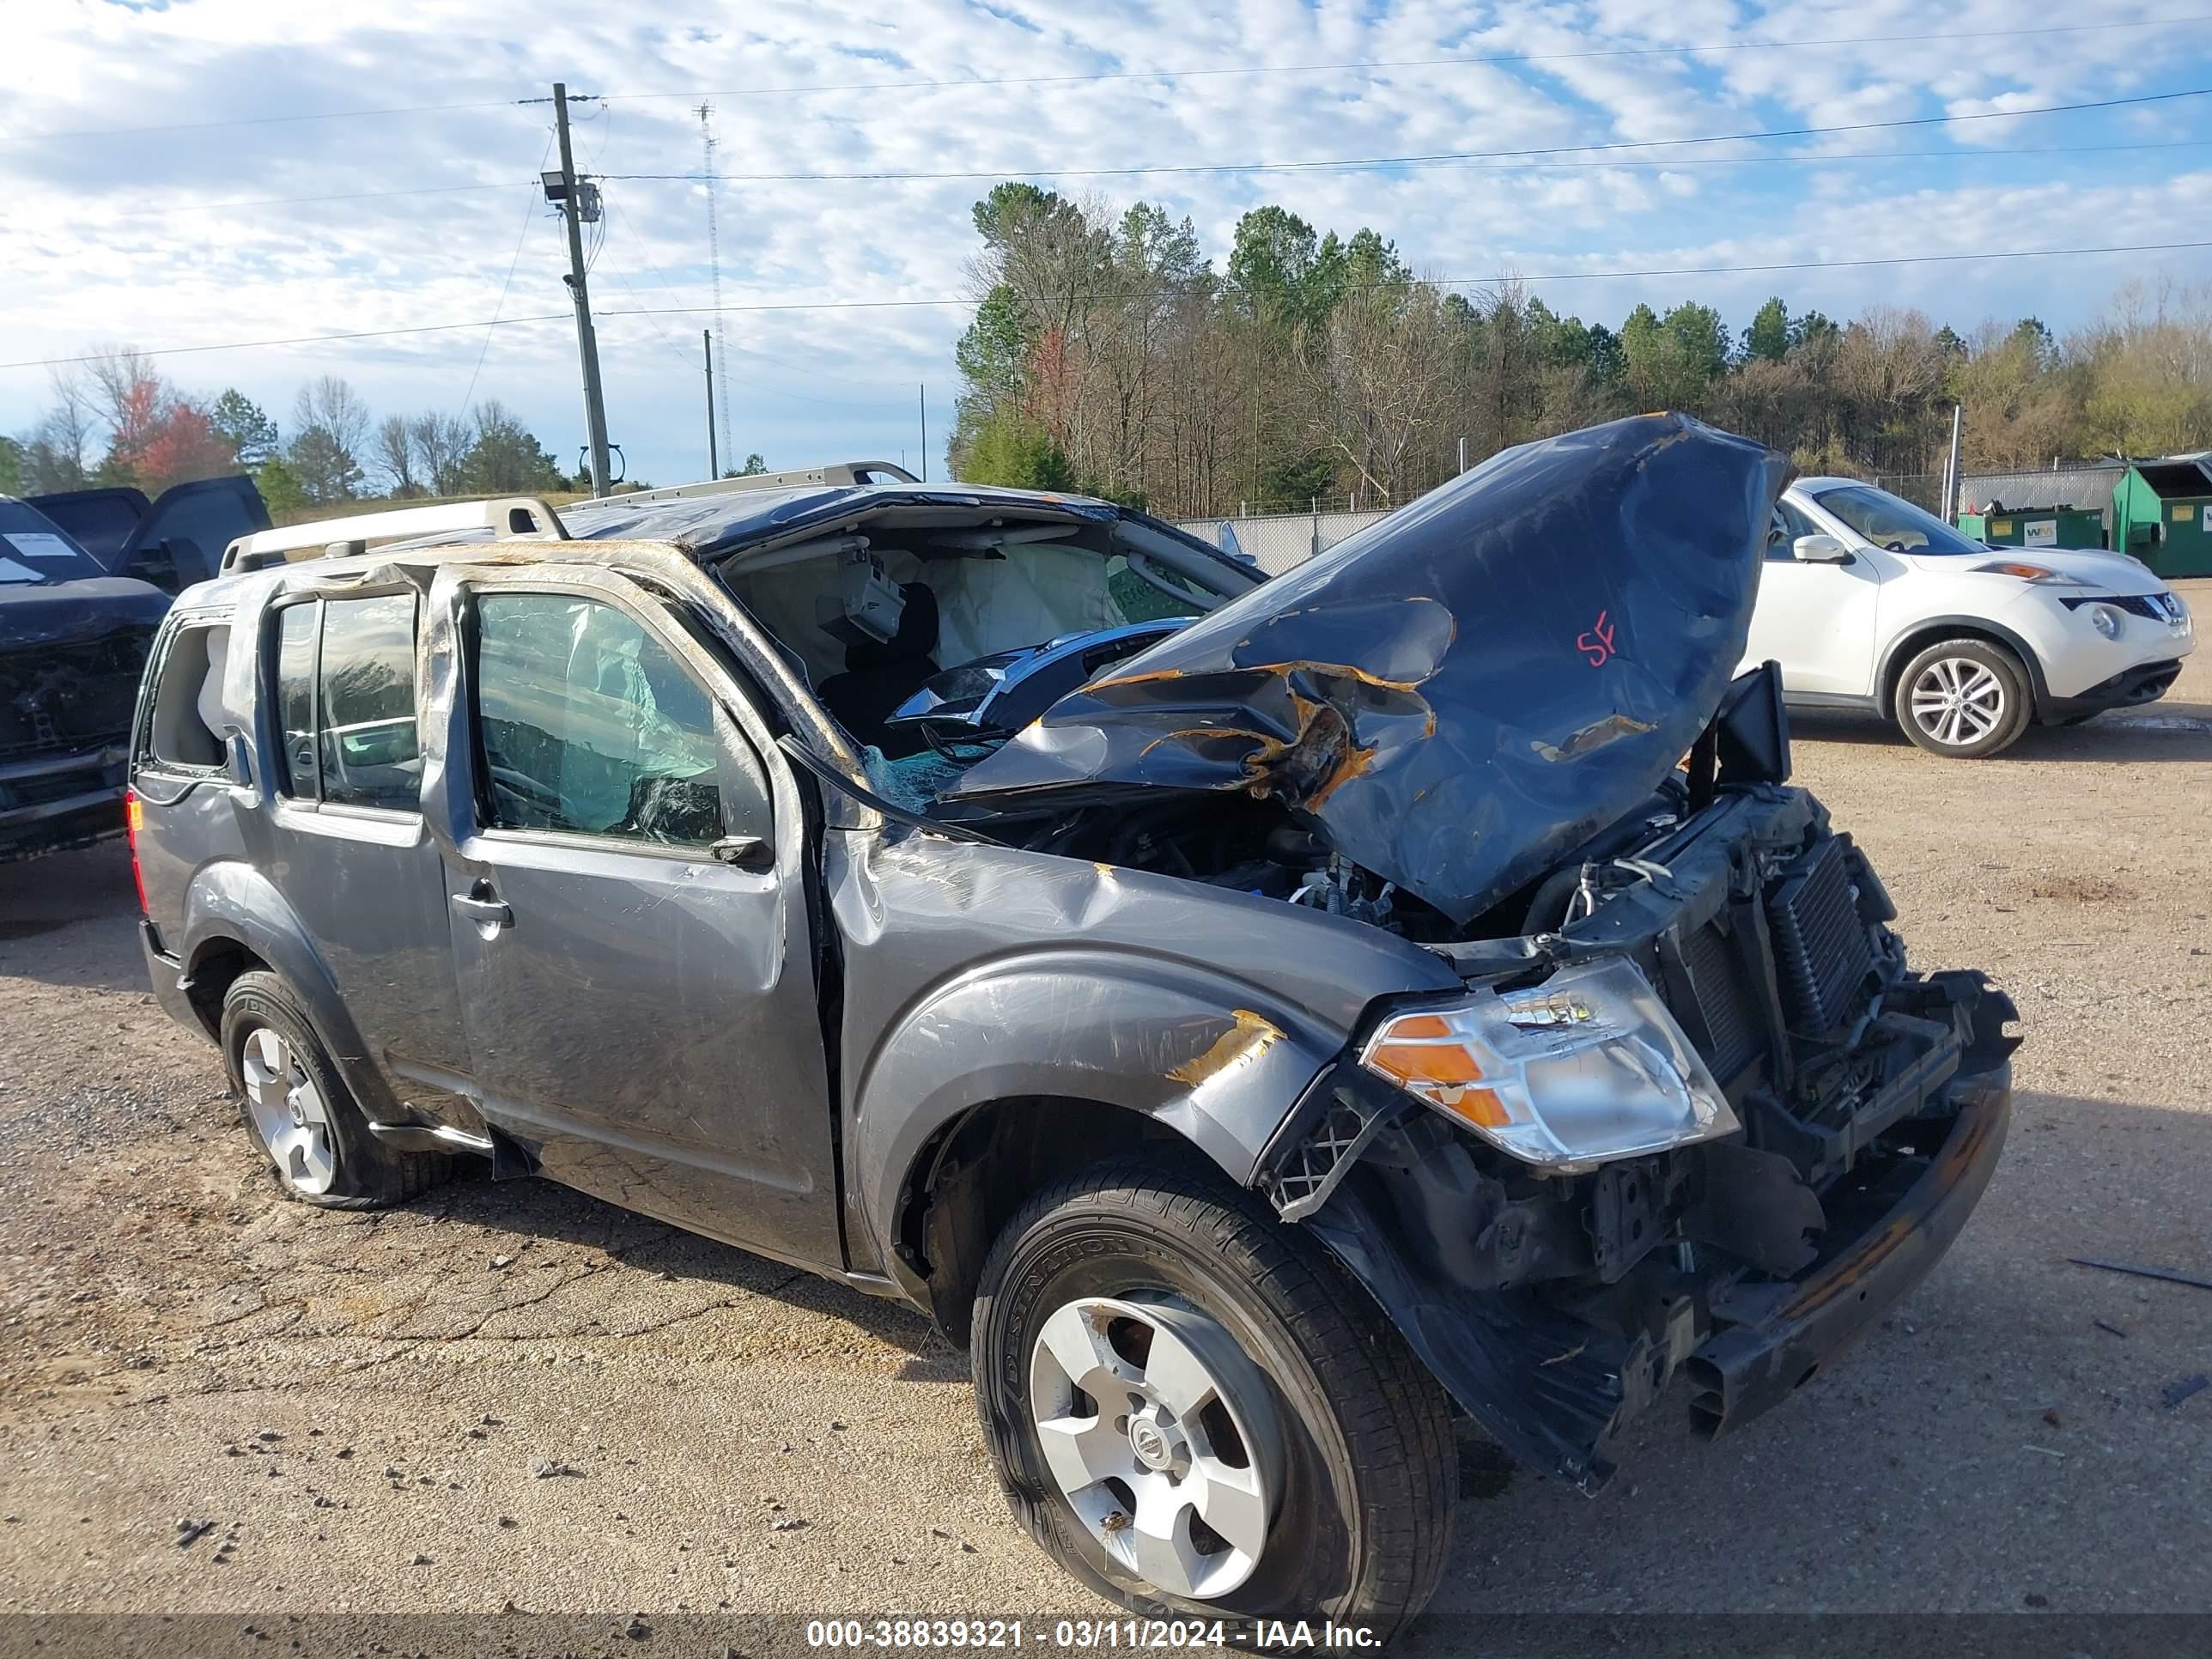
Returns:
point(1278, 541)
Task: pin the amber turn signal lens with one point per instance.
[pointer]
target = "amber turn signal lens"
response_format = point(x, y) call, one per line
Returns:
point(1479, 1107)
point(1420, 1025)
point(1444, 1065)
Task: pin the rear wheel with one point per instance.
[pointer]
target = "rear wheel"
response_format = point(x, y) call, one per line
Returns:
point(300, 1112)
point(1963, 698)
point(1196, 1411)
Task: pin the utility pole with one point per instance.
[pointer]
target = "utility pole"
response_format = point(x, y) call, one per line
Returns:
point(587, 342)
point(1951, 466)
point(923, 391)
point(707, 145)
point(707, 347)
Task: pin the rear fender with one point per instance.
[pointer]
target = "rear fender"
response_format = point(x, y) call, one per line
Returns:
point(233, 903)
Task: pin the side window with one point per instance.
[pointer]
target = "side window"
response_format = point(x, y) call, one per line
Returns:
point(586, 725)
point(1789, 523)
point(345, 695)
point(184, 733)
point(295, 695)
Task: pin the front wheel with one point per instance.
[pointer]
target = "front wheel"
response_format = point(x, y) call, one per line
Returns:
point(1964, 699)
point(1196, 1411)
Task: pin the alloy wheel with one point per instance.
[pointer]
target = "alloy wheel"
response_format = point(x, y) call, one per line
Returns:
point(289, 1111)
point(1957, 701)
point(1161, 1436)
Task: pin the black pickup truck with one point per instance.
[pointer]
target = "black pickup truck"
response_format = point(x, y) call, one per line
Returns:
point(85, 579)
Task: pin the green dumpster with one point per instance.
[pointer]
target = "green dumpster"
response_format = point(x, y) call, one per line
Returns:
point(2162, 514)
point(2037, 526)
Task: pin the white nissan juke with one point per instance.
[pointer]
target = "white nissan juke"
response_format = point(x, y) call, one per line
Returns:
point(1870, 603)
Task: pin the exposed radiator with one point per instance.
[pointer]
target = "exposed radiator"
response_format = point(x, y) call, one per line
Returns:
point(1822, 954)
point(1725, 999)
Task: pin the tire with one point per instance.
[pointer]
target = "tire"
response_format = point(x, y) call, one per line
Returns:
point(1965, 699)
point(1350, 1437)
point(299, 1111)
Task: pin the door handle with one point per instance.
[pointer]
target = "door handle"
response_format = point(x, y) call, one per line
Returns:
point(481, 906)
point(743, 853)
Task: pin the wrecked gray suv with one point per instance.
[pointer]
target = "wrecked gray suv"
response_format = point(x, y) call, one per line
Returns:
point(1261, 1021)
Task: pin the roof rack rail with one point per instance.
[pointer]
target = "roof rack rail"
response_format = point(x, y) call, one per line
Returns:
point(834, 474)
point(512, 517)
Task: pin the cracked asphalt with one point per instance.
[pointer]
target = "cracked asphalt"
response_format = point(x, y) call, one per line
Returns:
point(515, 1395)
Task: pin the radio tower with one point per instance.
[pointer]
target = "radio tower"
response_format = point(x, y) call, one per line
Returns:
point(715, 267)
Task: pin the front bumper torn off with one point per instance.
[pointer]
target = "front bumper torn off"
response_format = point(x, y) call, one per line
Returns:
point(1550, 1388)
point(1774, 1338)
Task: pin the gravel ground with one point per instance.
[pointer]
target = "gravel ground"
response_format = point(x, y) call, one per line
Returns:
point(366, 1408)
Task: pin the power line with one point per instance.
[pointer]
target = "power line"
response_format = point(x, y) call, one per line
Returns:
point(520, 236)
point(1982, 258)
point(1361, 163)
point(646, 254)
point(1836, 159)
point(1449, 61)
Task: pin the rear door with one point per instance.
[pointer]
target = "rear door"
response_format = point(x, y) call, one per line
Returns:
point(347, 844)
point(629, 916)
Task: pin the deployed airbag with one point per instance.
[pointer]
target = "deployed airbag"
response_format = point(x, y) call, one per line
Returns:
point(1463, 692)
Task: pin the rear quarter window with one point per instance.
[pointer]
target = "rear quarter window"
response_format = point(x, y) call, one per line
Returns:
point(185, 730)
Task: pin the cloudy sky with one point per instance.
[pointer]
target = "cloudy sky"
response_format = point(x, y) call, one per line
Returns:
point(184, 173)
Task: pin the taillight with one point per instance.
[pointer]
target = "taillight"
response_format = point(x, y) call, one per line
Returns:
point(132, 813)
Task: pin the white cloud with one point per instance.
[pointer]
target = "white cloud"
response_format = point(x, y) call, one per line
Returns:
point(105, 241)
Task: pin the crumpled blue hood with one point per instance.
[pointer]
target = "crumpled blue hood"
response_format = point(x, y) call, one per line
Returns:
point(1462, 693)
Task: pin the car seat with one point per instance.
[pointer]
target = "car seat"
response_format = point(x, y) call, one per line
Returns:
point(880, 676)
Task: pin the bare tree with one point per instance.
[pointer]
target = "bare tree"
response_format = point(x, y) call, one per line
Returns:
point(59, 454)
point(1378, 375)
point(440, 443)
point(394, 455)
point(117, 373)
point(330, 436)
point(331, 404)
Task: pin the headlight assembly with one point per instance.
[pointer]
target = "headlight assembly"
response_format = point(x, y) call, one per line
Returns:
point(1587, 1067)
point(2041, 575)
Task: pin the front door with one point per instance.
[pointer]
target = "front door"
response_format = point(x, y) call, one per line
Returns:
point(347, 842)
point(1816, 619)
point(629, 920)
